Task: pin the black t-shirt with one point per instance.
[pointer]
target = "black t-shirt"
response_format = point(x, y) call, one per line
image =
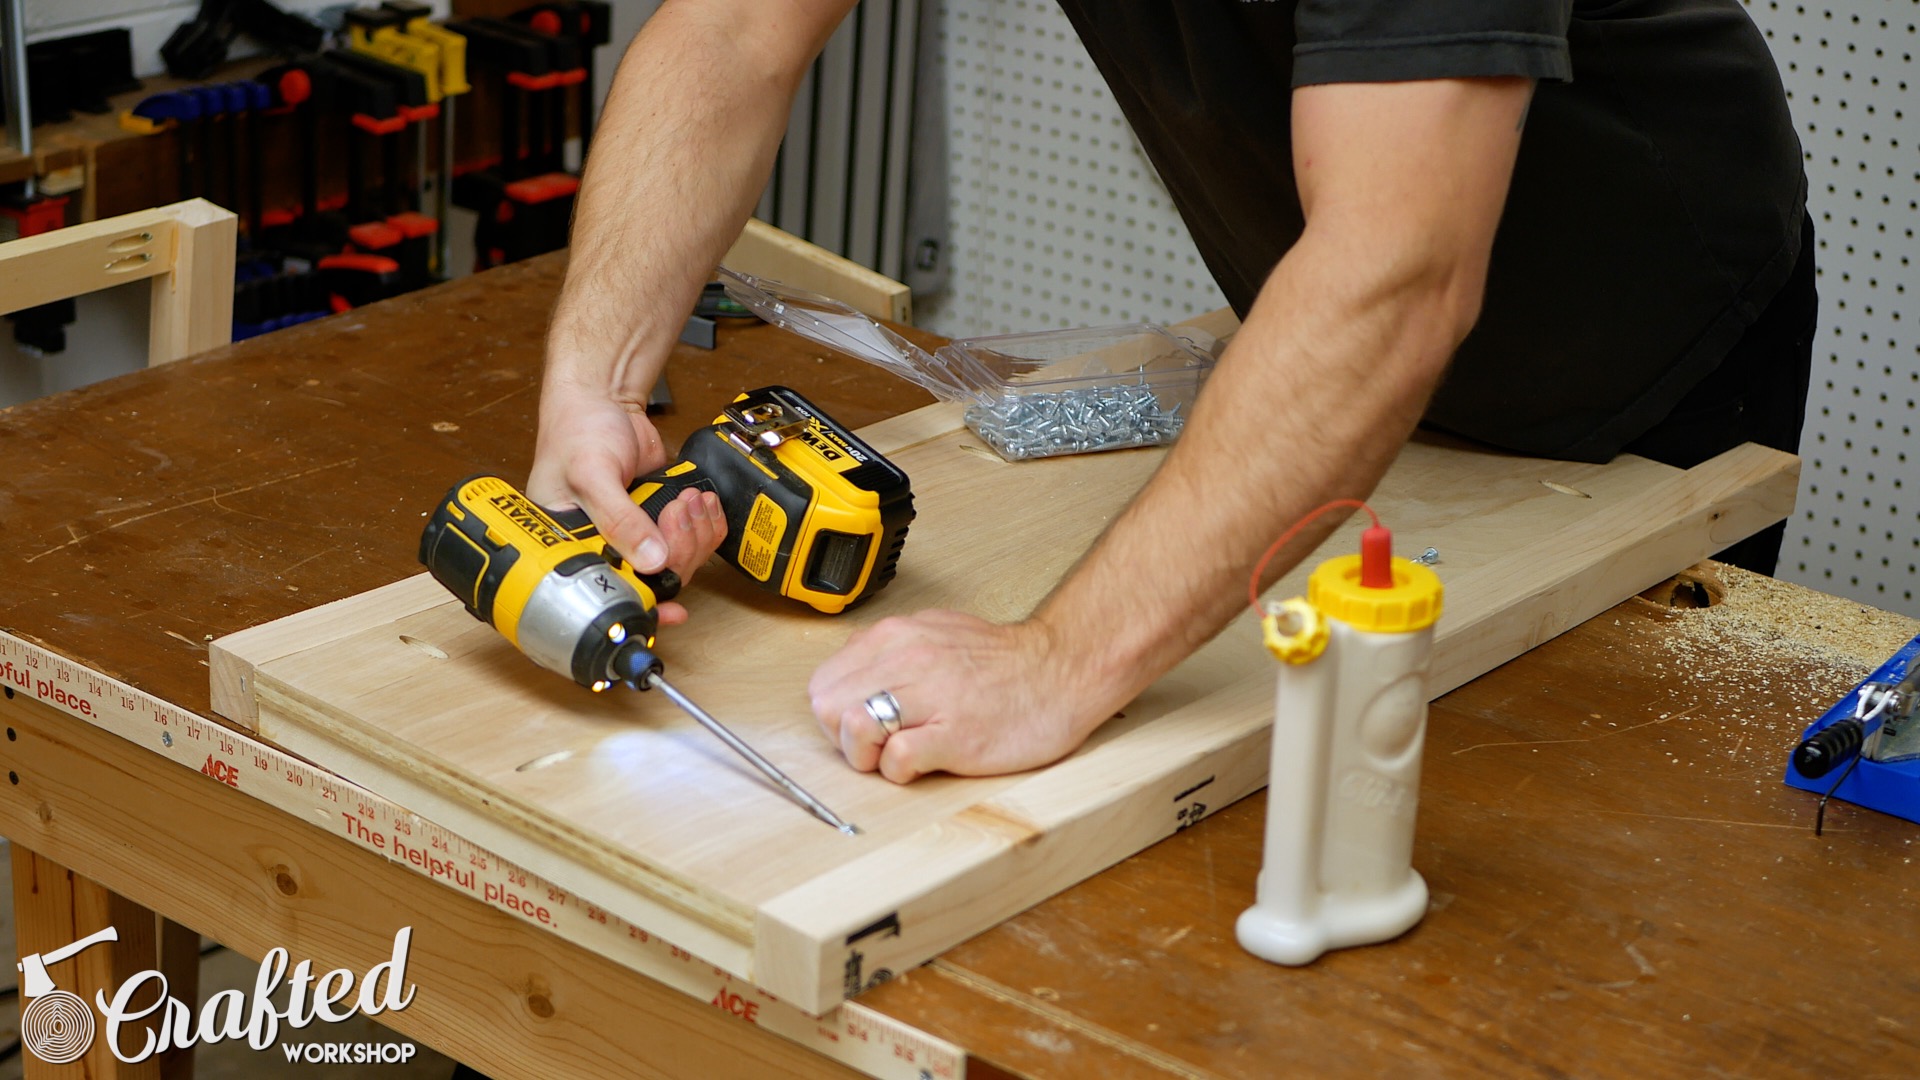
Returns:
point(1655, 206)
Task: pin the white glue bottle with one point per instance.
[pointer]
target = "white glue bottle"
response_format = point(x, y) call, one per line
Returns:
point(1349, 722)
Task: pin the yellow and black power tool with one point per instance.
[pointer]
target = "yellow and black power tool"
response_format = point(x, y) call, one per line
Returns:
point(567, 602)
point(812, 513)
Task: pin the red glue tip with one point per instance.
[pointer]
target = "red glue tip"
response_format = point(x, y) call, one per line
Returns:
point(1376, 558)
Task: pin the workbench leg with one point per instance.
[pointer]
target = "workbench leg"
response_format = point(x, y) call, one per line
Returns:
point(52, 907)
point(179, 961)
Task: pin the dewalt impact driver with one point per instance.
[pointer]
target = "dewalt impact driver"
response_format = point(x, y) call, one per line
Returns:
point(812, 513)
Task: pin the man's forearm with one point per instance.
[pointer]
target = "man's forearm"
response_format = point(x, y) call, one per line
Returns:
point(1402, 185)
point(1311, 402)
point(683, 147)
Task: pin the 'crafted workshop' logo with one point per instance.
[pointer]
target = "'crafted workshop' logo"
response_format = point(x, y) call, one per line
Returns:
point(59, 1027)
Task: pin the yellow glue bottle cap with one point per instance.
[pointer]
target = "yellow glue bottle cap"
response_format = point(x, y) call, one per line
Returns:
point(1412, 603)
point(1294, 631)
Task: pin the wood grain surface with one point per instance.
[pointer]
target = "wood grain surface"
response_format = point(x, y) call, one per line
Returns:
point(628, 802)
point(493, 992)
point(1622, 887)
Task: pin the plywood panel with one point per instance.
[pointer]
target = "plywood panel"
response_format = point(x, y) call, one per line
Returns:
point(626, 801)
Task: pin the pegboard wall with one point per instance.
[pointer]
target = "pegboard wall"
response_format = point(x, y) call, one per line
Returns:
point(1055, 217)
point(1853, 82)
point(1057, 220)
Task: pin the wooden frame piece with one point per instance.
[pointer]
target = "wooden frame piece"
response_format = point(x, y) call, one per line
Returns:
point(501, 996)
point(186, 250)
point(639, 816)
point(765, 251)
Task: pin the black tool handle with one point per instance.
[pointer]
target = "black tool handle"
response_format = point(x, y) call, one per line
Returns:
point(671, 487)
point(456, 549)
point(664, 585)
point(1819, 754)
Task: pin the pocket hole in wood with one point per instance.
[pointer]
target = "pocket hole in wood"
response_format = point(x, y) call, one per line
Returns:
point(132, 242)
point(981, 451)
point(131, 262)
point(1686, 592)
point(430, 649)
point(544, 760)
point(1564, 489)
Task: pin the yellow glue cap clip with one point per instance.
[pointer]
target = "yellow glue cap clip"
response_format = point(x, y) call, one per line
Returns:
point(1294, 631)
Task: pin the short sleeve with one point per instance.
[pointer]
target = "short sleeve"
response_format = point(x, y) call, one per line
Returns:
point(1341, 41)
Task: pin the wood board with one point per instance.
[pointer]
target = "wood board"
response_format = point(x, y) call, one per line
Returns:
point(632, 805)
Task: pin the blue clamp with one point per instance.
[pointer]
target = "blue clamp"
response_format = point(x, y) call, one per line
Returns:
point(168, 105)
point(1891, 787)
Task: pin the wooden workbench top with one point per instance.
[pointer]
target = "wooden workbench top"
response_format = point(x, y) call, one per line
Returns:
point(145, 516)
point(1621, 887)
point(1621, 884)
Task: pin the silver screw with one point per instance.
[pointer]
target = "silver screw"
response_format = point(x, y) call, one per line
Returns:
point(1428, 557)
point(1075, 421)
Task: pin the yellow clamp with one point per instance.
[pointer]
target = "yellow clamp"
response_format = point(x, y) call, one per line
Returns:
point(453, 54)
point(400, 49)
point(140, 125)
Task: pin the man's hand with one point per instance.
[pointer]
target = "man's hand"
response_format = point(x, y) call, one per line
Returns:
point(975, 699)
point(684, 146)
point(590, 448)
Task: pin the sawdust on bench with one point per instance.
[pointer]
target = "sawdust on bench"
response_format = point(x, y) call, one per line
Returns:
point(1806, 648)
point(1774, 622)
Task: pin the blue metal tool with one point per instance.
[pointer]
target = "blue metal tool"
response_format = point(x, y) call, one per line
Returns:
point(1874, 733)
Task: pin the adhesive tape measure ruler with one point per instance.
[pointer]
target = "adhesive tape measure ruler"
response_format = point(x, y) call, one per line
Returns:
point(854, 1034)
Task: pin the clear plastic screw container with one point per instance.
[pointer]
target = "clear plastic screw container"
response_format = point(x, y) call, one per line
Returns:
point(1027, 395)
point(1076, 391)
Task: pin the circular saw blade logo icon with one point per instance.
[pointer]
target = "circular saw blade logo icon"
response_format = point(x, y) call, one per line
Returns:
point(57, 1027)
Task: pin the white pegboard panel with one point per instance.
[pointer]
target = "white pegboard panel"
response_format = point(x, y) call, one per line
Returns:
point(1854, 86)
point(1056, 220)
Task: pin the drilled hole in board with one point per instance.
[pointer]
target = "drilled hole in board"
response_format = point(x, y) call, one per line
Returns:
point(131, 262)
point(1564, 489)
point(430, 649)
point(1687, 591)
point(544, 760)
point(130, 242)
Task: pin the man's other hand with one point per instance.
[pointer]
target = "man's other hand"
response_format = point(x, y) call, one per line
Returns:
point(975, 698)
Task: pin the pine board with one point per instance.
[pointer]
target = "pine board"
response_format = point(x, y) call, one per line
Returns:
point(623, 800)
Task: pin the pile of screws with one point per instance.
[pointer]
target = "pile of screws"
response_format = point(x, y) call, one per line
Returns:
point(1074, 421)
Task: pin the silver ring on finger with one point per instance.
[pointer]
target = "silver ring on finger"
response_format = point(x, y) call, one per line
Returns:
point(885, 710)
